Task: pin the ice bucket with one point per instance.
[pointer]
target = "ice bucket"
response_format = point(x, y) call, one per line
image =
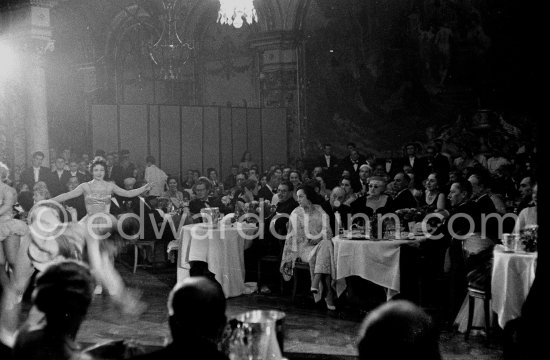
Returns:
point(259, 320)
point(210, 215)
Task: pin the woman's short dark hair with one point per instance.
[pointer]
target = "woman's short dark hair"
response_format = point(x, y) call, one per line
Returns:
point(288, 184)
point(171, 178)
point(99, 162)
point(249, 184)
point(297, 172)
point(464, 186)
point(150, 159)
point(310, 193)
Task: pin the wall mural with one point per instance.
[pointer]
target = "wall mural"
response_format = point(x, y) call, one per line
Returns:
point(384, 72)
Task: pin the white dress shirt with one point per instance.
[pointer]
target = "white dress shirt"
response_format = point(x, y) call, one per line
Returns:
point(327, 160)
point(36, 174)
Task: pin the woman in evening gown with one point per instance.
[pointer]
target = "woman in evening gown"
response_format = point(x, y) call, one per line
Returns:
point(97, 198)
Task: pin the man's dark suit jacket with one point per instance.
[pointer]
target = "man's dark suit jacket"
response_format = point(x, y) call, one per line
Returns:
point(116, 175)
point(265, 193)
point(420, 168)
point(27, 176)
point(196, 205)
point(404, 200)
point(330, 172)
point(59, 184)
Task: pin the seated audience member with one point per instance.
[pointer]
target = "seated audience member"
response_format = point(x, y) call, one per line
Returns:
point(188, 181)
point(63, 292)
point(526, 192)
point(337, 206)
point(78, 202)
point(495, 161)
point(41, 192)
point(313, 245)
point(25, 202)
point(196, 315)
point(398, 330)
point(403, 198)
point(375, 202)
point(285, 205)
point(365, 171)
point(176, 197)
point(296, 179)
point(231, 179)
point(528, 216)
point(316, 186)
point(202, 199)
point(434, 199)
point(270, 188)
point(323, 191)
point(346, 184)
point(249, 193)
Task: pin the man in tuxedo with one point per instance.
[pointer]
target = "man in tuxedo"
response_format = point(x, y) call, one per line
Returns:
point(436, 162)
point(365, 171)
point(73, 171)
point(351, 149)
point(329, 163)
point(36, 172)
point(60, 178)
point(267, 191)
point(416, 163)
point(352, 165)
point(202, 189)
point(231, 179)
point(403, 199)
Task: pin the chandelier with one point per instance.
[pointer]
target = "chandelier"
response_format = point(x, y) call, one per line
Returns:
point(170, 53)
point(235, 12)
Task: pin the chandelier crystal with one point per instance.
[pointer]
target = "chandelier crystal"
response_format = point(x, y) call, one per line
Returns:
point(236, 12)
point(170, 53)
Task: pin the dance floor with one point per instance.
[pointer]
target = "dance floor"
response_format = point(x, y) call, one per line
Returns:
point(311, 332)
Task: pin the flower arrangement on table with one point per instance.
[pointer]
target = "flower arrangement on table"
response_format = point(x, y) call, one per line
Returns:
point(254, 208)
point(528, 238)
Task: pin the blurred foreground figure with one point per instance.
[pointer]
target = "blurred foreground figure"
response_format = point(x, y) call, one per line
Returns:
point(398, 330)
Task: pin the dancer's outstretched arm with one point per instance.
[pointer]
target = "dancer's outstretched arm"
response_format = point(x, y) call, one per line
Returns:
point(69, 195)
point(131, 193)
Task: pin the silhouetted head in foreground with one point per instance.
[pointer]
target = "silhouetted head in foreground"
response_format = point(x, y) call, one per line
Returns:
point(398, 330)
point(196, 308)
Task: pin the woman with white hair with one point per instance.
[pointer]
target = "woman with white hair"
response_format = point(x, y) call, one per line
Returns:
point(10, 229)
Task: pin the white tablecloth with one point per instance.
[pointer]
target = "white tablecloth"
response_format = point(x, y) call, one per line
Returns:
point(376, 261)
point(513, 275)
point(222, 248)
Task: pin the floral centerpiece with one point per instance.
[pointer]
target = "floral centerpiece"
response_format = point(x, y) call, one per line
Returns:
point(254, 208)
point(528, 238)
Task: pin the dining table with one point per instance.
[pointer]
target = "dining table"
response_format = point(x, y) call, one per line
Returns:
point(222, 247)
point(376, 260)
point(513, 274)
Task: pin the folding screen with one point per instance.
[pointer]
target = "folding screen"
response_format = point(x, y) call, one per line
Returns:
point(192, 137)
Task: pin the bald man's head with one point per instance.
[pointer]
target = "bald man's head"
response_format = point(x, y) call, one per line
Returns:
point(196, 306)
point(398, 330)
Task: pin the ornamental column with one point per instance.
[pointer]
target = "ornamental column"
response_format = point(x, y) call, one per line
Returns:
point(38, 44)
point(279, 73)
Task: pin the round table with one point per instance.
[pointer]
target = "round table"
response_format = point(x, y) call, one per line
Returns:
point(222, 248)
point(373, 260)
point(512, 277)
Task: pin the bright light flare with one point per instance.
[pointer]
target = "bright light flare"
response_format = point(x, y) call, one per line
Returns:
point(235, 12)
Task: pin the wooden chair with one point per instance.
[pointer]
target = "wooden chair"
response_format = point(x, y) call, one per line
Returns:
point(485, 296)
point(475, 292)
point(141, 244)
